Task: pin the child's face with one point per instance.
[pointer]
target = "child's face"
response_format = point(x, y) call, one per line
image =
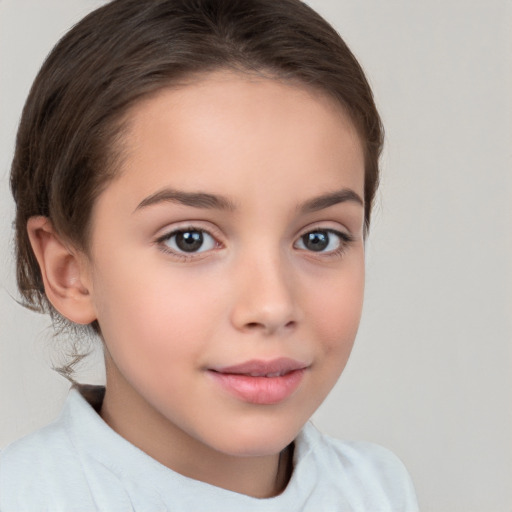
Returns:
point(200, 261)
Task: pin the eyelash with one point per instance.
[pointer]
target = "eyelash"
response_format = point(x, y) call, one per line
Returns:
point(345, 239)
point(183, 256)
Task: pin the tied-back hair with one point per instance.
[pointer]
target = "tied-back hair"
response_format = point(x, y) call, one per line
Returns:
point(70, 139)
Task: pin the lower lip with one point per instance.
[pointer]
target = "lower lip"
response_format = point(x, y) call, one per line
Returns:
point(260, 390)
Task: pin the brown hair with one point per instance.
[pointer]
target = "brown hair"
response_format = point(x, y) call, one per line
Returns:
point(70, 135)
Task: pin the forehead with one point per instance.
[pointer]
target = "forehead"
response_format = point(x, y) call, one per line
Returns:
point(228, 129)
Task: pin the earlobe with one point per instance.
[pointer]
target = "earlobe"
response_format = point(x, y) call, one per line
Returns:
point(63, 270)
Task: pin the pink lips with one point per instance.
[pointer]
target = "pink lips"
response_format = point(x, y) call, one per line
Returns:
point(261, 382)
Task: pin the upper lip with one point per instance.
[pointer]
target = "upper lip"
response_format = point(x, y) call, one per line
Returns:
point(261, 368)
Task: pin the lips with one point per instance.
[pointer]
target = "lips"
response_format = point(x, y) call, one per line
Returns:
point(261, 382)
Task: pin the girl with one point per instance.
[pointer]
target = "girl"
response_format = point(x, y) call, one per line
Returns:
point(193, 182)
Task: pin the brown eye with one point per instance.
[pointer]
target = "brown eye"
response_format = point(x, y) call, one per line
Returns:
point(189, 241)
point(316, 241)
point(323, 241)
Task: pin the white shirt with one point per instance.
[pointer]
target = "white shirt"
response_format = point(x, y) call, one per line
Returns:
point(78, 463)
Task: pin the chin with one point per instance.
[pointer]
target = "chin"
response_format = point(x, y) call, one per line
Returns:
point(258, 438)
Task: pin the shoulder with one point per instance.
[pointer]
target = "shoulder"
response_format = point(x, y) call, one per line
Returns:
point(369, 473)
point(40, 466)
point(365, 457)
point(35, 448)
point(26, 466)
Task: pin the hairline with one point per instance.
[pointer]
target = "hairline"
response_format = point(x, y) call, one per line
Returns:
point(118, 152)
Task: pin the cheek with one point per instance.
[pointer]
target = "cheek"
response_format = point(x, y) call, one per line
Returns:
point(149, 314)
point(335, 312)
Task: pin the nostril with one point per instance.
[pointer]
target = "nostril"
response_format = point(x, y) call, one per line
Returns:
point(257, 325)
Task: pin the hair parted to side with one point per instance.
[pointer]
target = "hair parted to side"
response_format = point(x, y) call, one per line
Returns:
point(69, 142)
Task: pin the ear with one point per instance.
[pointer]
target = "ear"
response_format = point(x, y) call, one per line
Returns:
point(64, 271)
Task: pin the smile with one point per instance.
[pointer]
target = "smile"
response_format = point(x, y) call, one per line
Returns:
point(261, 382)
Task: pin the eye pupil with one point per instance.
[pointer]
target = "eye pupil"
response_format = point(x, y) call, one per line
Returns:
point(189, 241)
point(316, 241)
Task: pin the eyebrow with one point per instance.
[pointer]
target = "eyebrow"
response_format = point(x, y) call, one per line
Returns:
point(204, 200)
point(330, 199)
point(194, 199)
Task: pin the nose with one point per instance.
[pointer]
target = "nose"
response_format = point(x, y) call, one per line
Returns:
point(265, 297)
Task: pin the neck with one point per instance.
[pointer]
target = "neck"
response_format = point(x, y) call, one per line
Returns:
point(143, 426)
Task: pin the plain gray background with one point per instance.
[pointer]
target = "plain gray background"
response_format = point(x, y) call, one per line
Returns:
point(430, 376)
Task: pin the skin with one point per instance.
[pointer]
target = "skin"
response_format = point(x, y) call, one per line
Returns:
point(254, 291)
